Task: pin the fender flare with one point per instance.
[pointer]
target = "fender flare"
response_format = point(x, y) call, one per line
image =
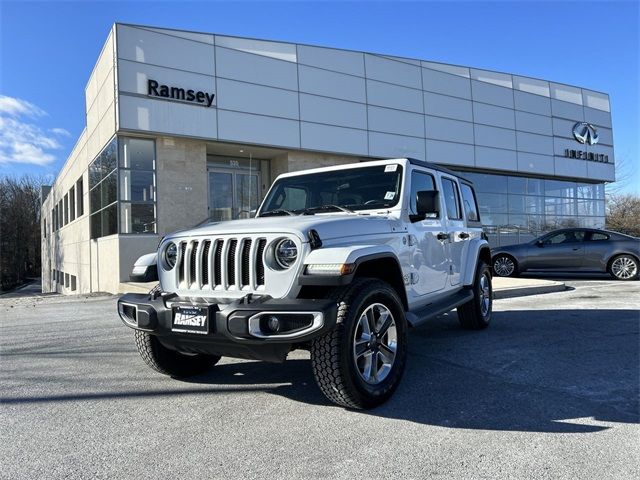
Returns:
point(478, 248)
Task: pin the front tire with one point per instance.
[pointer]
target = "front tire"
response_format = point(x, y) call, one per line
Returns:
point(476, 314)
point(624, 267)
point(505, 266)
point(360, 363)
point(169, 362)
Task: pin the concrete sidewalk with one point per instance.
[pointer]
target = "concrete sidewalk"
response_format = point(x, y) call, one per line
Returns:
point(502, 287)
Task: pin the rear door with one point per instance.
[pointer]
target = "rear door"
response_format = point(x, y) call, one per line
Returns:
point(458, 241)
point(558, 251)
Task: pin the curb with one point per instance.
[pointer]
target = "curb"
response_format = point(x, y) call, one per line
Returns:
point(512, 292)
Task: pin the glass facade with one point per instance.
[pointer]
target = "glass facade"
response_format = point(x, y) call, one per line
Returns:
point(122, 186)
point(517, 209)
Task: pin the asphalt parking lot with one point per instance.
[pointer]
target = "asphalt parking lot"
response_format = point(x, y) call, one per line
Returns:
point(550, 390)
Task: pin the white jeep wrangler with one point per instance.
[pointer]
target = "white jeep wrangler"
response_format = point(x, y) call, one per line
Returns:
point(341, 261)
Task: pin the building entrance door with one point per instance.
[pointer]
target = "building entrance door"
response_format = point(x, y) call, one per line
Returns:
point(232, 194)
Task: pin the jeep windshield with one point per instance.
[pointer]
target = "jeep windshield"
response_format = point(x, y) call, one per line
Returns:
point(349, 190)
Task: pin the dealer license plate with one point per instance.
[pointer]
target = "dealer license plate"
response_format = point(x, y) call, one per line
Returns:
point(191, 320)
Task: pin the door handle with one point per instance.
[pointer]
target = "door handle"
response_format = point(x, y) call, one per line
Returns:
point(576, 248)
point(463, 235)
point(442, 236)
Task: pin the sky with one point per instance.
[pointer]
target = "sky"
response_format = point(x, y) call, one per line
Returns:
point(48, 49)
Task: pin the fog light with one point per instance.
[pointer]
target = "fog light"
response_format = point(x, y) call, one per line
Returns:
point(273, 323)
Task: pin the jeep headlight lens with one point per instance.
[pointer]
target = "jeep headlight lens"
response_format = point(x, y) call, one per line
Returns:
point(286, 253)
point(170, 255)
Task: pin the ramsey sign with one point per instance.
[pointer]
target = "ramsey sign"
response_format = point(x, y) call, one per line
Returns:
point(154, 89)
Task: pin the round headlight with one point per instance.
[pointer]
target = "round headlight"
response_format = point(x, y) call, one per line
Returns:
point(286, 253)
point(170, 255)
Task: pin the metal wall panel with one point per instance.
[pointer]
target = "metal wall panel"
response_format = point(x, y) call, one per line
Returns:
point(492, 115)
point(493, 94)
point(569, 167)
point(446, 83)
point(151, 115)
point(332, 84)
point(597, 117)
point(447, 106)
point(567, 110)
point(337, 60)
point(528, 102)
point(450, 153)
point(246, 97)
point(535, 164)
point(392, 71)
point(394, 96)
point(253, 68)
point(134, 76)
point(330, 138)
point(144, 46)
point(495, 137)
point(245, 127)
point(530, 122)
point(395, 146)
point(395, 121)
point(333, 112)
point(438, 128)
point(534, 143)
point(496, 158)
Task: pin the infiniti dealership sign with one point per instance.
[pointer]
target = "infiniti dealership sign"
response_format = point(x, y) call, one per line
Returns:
point(155, 89)
point(584, 132)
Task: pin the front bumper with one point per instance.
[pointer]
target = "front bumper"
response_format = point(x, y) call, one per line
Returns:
point(234, 328)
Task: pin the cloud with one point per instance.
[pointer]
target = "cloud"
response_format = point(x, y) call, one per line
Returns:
point(21, 139)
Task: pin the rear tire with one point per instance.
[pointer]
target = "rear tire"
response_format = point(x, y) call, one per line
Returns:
point(476, 313)
point(360, 363)
point(505, 266)
point(624, 267)
point(169, 362)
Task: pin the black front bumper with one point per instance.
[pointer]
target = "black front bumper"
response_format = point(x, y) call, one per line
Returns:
point(229, 333)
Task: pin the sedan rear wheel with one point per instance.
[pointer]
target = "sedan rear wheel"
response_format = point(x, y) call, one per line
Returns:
point(624, 267)
point(504, 266)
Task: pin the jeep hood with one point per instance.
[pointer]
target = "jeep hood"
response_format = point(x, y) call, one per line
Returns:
point(328, 226)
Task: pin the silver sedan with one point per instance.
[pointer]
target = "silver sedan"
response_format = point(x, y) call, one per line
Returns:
point(572, 250)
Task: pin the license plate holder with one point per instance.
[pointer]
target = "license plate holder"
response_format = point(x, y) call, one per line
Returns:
point(190, 319)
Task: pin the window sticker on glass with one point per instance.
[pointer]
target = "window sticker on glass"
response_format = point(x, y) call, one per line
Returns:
point(389, 195)
point(390, 168)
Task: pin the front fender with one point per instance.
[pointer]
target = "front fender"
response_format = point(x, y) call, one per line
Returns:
point(145, 269)
point(478, 249)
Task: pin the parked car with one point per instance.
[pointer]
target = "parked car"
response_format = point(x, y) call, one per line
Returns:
point(339, 260)
point(572, 250)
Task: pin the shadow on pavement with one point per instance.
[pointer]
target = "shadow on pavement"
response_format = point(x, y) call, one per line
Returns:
point(535, 370)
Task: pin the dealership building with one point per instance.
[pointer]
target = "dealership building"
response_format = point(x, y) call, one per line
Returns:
point(183, 126)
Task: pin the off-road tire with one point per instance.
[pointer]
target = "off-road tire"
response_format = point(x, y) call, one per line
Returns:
point(472, 315)
point(332, 357)
point(631, 263)
point(169, 362)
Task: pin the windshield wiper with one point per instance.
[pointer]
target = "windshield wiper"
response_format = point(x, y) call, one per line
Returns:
point(324, 208)
point(280, 211)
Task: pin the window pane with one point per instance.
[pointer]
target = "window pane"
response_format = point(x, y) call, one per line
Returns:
point(420, 182)
point(559, 188)
point(94, 199)
point(80, 197)
point(137, 154)
point(96, 225)
point(489, 183)
point(109, 221)
point(247, 193)
point(492, 203)
point(535, 186)
point(72, 204)
point(136, 186)
point(108, 190)
point(137, 218)
point(95, 172)
point(469, 202)
point(66, 209)
point(450, 195)
point(595, 236)
point(109, 158)
point(517, 184)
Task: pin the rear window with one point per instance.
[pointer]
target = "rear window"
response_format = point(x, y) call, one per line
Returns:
point(469, 202)
point(595, 236)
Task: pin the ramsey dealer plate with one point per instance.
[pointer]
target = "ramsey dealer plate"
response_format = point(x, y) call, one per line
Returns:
point(191, 320)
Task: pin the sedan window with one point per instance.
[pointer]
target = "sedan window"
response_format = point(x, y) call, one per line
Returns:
point(571, 236)
point(596, 236)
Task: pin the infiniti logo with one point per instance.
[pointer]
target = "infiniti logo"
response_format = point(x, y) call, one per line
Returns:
point(585, 133)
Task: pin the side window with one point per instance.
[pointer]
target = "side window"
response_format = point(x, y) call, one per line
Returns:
point(571, 236)
point(469, 202)
point(596, 236)
point(451, 199)
point(290, 198)
point(420, 182)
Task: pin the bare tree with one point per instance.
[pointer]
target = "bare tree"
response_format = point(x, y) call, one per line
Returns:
point(20, 240)
point(623, 213)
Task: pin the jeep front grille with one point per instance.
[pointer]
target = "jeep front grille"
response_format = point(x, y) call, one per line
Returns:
point(221, 264)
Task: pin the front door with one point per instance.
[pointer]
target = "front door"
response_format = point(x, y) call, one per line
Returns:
point(559, 251)
point(232, 194)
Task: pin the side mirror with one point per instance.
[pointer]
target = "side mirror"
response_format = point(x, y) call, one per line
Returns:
point(427, 203)
point(539, 243)
point(145, 269)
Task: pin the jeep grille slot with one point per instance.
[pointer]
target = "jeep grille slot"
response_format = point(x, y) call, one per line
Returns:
point(260, 261)
point(222, 264)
